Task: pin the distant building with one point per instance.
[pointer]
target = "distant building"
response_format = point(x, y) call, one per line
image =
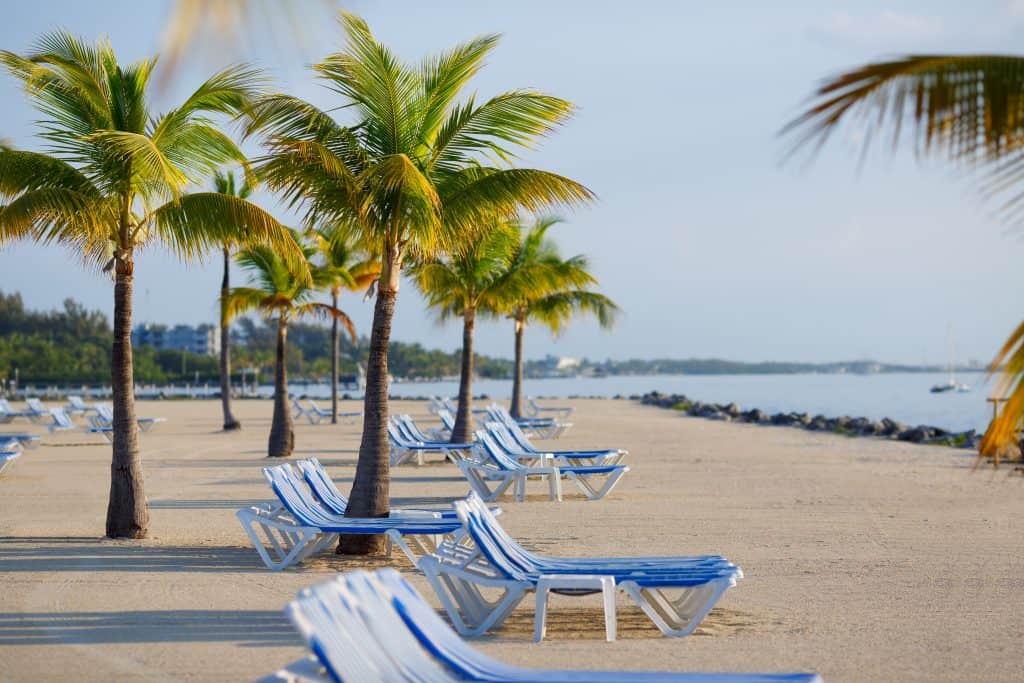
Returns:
point(203, 340)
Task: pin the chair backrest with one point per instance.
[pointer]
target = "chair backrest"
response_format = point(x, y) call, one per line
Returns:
point(355, 614)
point(105, 412)
point(5, 407)
point(412, 429)
point(62, 419)
point(494, 452)
point(433, 632)
point(322, 485)
point(489, 548)
point(500, 433)
point(76, 403)
point(450, 405)
point(295, 496)
point(36, 406)
point(397, 437)
point(447, 419)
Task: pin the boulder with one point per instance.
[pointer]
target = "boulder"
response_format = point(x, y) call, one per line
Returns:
point(732, 410)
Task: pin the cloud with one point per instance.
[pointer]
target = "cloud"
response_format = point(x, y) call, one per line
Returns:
point(886, 27)
point(1015, 8)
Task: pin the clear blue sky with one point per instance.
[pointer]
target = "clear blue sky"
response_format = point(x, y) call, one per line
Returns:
point(710, 246)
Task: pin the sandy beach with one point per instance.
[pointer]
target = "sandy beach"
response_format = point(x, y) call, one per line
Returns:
point(864, 559)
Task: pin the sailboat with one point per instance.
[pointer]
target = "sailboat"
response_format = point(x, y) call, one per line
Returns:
point(951, 384)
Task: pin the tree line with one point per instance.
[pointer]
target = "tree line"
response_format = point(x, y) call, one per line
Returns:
point(71, 345)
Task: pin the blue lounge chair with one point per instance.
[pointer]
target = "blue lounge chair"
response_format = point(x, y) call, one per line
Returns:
point(298, 525)
point(405, 449)
point(493, 464)
point(27, 441)
point(104, 418)
point(699, 582)
point(533, 409)
point(542, 428)
point(77, 406)
point(508, 442)
point(10, 450)
point(7, 413)
point(325, 490)
point(400, 639)
point(36, 411)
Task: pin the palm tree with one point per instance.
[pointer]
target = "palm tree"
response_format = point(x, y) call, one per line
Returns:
point(555, 291)
point(416, 173)
point(343, 264)
point(281, 293)
point(113, 182)
point(224, 182)
point(460, 284)
point(966, 108)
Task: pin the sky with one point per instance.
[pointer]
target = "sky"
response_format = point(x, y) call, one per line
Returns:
point(710, 244)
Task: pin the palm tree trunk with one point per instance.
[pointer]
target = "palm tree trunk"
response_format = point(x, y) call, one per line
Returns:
point(370, 495)
point(516, 407)
point(230, 423)
point(282, 434)
point(462, 432)
point(127, 509)
point(334, 360)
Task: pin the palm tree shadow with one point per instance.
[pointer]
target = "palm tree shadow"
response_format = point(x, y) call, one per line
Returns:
point(248, 628)
point(85, 554)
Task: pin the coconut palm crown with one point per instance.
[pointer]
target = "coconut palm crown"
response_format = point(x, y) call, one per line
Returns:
point(550, 290)
point(343, 264)
point(280, 294)
point(476, 277)
point(418, 169)
point(113, 180)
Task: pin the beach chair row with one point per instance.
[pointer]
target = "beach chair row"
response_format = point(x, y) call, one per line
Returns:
point(465, 551)
point(316, 415)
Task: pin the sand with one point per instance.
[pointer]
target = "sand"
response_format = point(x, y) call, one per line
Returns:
point(864, 559)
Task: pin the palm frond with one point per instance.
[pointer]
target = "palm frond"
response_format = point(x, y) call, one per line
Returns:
point(200, 221)
point(1010, 359)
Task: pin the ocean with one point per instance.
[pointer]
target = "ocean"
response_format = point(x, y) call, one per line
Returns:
point(903, 397)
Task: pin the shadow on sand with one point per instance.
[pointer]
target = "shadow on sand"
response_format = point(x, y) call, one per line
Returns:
point(249, 628)
point(84, 554)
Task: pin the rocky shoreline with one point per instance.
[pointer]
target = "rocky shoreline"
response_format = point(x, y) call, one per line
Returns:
point(850, 426)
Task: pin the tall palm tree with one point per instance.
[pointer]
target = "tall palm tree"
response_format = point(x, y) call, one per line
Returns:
point(114, 181)
point(280, 292)
point(968, 109)
point(555, 291)
point(224, 182)
point(417, 172)
point(459, 284)
point(343, 265)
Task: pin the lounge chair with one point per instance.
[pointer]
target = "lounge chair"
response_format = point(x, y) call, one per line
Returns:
point(542, 428)
point(405, 449)
point(410, 428)
point(7, 413)
point(9, 452)
point(60, 421)
point(533, 409)
point(435, 405)
point(26, 441)
point(298, 526)
point(326, 491)
point(698, 581)
point(104, 418)
point(401, 639)
point(36, 411)
point(303, 411)
point(514, 448)
point(495, 466)
point(77, 406)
